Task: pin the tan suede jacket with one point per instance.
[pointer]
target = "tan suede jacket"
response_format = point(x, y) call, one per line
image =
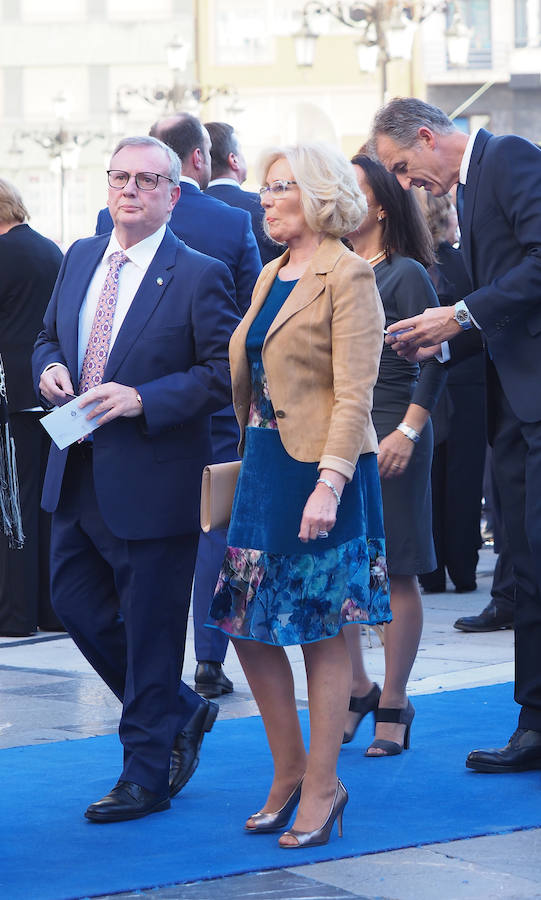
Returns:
point(321, 358)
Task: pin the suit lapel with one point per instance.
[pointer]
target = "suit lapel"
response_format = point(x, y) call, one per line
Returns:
point(470, 193)
point(149, 294)
point(81, 276)
point(310, 285)
point(307, 289)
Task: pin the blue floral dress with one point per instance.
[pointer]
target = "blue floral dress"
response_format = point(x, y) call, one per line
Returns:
point(272, 587)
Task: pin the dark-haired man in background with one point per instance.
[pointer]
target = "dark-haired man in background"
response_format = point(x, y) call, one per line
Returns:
point(228, 173)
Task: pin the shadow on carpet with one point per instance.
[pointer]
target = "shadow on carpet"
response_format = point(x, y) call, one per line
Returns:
point(48, 851)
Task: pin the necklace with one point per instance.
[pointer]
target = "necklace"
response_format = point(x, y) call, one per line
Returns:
point(374, 259)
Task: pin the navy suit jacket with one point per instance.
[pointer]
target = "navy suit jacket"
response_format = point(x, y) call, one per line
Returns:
point(173, 347)
point(234, 195)
point(212, 227)
point(501, 243)
point(29, 264)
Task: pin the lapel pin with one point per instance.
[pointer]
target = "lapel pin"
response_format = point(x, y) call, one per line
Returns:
point(159, 281)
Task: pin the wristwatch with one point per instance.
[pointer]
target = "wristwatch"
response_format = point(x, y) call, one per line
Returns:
point(462, 315)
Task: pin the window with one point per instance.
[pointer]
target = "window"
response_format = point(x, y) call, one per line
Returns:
point(476, 15)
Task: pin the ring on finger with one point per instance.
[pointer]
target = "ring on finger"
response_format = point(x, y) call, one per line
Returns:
point(323, 534)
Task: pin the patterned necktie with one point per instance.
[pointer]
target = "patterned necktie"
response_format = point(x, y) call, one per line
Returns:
point(97, 349)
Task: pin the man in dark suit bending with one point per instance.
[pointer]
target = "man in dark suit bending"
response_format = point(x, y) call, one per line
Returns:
point(141, 323)
point(499, 208)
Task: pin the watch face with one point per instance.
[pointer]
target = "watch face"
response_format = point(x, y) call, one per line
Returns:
point(462, 316)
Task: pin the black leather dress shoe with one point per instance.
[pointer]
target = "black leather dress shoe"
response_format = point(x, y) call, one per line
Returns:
point(210, 680)
point(126, 801)
point(185, 752)
point(491, 618)
point(523, 752)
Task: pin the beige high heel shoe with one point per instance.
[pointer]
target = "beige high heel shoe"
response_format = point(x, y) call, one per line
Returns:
point(321, 835)
point(275, 821)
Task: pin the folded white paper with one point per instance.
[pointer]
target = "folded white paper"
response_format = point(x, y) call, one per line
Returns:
point(67, 424)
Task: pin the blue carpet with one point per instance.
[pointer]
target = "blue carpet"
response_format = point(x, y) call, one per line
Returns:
point(48, 851)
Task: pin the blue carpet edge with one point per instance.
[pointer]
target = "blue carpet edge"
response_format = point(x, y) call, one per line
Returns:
point(290, 860)
point(314, 862)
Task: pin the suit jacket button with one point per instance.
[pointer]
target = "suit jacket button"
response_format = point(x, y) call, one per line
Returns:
point(279, 413)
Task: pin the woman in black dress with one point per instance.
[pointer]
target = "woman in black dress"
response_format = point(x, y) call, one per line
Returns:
point(395, 240)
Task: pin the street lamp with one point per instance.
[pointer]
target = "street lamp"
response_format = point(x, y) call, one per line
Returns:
point(386, 30)
point(181, 95)
point(63, 146)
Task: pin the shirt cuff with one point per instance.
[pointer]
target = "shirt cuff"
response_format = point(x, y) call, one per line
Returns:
point(50, 366)
point(445, 354)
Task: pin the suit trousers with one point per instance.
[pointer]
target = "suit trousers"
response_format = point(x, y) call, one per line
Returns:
point(517, 465)
point(24, 574)
point(211, 644)
point(457, 487)
point(125, 604)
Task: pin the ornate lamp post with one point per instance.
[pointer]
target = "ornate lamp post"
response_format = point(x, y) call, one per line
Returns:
point(63, 146)
point(181, 95)
point(386, 30)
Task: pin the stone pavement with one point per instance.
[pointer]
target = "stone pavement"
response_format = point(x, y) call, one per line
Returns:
point(48, 693)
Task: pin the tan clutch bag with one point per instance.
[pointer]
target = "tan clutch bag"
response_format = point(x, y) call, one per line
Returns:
point(217, 492)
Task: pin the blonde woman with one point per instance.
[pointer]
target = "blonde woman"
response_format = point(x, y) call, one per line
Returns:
point(306, 552)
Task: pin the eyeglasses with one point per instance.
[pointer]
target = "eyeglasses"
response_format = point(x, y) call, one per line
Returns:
point(276, 188)
point(145, 181)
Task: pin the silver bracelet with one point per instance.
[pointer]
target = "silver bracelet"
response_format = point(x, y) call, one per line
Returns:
point(409, 432)
point(331, 487)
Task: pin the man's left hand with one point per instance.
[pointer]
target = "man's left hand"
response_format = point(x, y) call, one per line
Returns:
point(432, 327)
point(115, 400)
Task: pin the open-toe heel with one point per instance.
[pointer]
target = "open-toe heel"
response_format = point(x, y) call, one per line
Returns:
point(320, 835)
point(396, 716)
point(361, 706)
point(275, 821)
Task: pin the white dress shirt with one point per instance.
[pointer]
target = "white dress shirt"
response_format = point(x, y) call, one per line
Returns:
point(230, 181)
point(130, 277)
point(466, 158)
point(445, 353)
point(188, 180)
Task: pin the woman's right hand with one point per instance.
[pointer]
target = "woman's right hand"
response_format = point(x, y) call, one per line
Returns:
point(319, 514)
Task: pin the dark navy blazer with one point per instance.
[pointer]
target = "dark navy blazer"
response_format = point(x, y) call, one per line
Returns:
point(173, 347)
point(501, 243)
point(234, 195)
point(212, 227)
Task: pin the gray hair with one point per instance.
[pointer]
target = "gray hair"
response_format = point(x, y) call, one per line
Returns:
point(12, 208)
point(401, 118)
point(330, 196)
point(144, 140)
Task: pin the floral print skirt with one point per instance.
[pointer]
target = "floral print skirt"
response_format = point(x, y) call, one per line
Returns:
point(275, 589)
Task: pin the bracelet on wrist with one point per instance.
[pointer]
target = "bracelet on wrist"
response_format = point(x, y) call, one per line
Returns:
point(409, 432)
point(331, 487)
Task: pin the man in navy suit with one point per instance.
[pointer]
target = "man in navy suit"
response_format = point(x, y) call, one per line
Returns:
point(125, 504)
point(228, 173)
point(212, 227)
point(499, 207)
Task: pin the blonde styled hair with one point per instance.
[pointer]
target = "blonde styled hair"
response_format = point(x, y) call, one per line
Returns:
point(437, 211)
point(331, 199)
point(12, 208)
